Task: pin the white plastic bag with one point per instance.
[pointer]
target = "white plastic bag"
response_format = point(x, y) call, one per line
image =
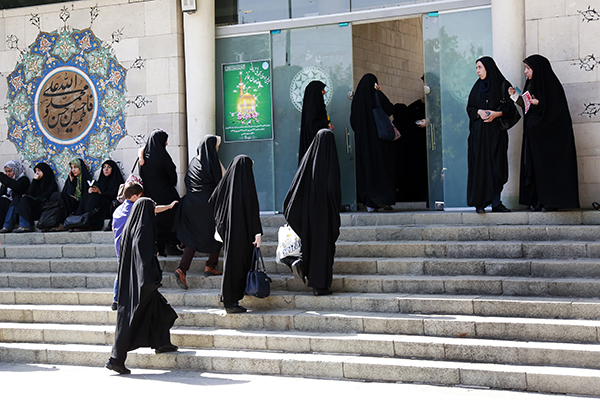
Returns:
point(288, 244)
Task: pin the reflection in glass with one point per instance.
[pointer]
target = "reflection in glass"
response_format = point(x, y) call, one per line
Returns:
point(452, 44)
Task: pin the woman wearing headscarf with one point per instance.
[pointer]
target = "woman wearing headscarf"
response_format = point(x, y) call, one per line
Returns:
point(237, 221)
point(195, 217)
point(14, 185)
point(30, 206)
point(375, 174)
point(158, 172)
point(312, 209)
point(101, 194)
point(548, 155)
point(314, 115)
point(487, 143)
point(144, 317)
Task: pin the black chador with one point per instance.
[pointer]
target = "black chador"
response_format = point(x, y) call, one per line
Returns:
point(30, 205)
point(312, 206)
point(488, 143)
point(548, 155)
point(196, 223)
point(159, 176)
point(375, 174)
point(108, 186)
point(237, 220)
point(144, 316)
point(314, 115)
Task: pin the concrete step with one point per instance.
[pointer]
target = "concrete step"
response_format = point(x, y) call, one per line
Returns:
point(382, 249)
point(577, 268)
point(400, 346)
point(505, 306)
point(350, 233)
point(463, 326)
point(580, 381)
point(424, 284)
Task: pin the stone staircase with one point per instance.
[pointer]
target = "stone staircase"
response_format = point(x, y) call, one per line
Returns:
point(506, 301)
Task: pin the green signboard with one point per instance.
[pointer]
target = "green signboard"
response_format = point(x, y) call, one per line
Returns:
point(247, 106)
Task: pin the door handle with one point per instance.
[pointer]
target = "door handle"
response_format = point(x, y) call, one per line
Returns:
point(347, 142)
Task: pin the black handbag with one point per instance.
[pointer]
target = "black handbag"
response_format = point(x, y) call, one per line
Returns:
point(79, 221)
point(258, 283)
point(385, 128)
point(52, 215)
point(507, 122)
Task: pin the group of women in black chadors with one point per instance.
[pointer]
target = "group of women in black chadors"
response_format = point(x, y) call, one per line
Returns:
point(548, 174)
point(24, 201)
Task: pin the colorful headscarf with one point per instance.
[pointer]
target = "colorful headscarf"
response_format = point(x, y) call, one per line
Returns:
point(78, 186)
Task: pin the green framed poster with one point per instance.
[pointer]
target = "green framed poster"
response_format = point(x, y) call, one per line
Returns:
point(247, 101)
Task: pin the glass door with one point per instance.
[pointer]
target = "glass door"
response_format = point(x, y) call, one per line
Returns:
point(452, 43)
point(300, 56)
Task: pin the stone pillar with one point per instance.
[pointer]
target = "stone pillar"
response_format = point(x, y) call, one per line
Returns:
point(199, 46)
point(508, 27)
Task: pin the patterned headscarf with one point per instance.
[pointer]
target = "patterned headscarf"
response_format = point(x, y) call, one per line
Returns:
point(16, 167)
point(19, 171)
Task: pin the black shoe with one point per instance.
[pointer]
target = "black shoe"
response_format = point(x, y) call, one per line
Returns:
point(166, 349)
point(546, 209)
point(5, 230)
point(298, 270)
point(117, 368)
point(480, 210)
point(237, 309)
point(22, 229)
point(322, 291)
point(500, 208)
point(536, 208)
point(114, 306)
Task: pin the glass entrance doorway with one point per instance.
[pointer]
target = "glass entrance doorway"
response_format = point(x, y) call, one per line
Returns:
point(452, 44)
point(298, 56)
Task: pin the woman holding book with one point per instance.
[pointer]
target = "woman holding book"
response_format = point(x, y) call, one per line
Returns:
point(488, 142)
point(548, 156)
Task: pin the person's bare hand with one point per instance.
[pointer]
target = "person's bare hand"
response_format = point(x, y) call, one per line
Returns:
point(257, 240)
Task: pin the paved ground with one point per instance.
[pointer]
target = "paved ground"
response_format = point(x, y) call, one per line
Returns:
point(65, 382)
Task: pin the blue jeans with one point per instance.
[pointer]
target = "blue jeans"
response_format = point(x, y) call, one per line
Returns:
point(23, 223)
point(116, 289)
point(9, 220)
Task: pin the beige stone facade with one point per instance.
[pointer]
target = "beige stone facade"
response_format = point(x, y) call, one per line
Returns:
point(566, 33)
point(393, 51)
point(151, 30)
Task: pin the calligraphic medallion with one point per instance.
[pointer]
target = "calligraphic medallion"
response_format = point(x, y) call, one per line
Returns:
point(66, 105)
point(301, 81)
point(66, 98)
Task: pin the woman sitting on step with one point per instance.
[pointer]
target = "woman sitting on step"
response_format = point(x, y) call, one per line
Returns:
point(30, 205)
point(98, 200)
point(14, 184)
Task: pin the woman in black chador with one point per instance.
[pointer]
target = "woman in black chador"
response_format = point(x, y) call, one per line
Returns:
point(158, 172)
point(237, 220)
point(375, 175)
point(30, 206)
point(488, 143)
point(314, 115)
point(100, 196)
point(312, 209)
point(548, 156)
point(144, 316)
point(195, 217)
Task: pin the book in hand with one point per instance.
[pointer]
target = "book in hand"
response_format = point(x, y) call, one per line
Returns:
point(526, 100)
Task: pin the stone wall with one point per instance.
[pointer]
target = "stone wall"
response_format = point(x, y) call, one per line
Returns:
point(566, 33)
point(144, 36)
point(392, 51)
